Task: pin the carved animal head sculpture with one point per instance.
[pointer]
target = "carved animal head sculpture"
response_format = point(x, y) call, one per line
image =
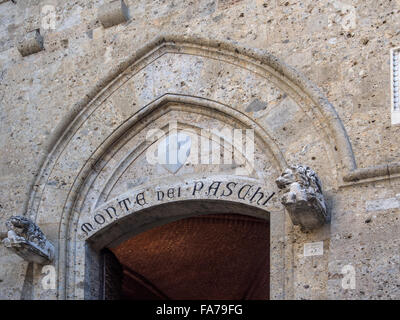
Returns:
point(18, 224)
point(303, 175)
point(26, 239)
point(25, 228)
point(302, 196)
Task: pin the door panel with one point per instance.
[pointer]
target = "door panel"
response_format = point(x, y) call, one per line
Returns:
point(206, 257)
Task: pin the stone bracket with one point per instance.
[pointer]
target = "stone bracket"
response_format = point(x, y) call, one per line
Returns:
point(113, 13)
point(30, 43)
point(302, 197)
point(26, 239)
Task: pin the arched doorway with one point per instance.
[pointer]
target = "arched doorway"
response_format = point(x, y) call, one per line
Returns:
point(202, 248)
point(98, 153)
point(217, 256)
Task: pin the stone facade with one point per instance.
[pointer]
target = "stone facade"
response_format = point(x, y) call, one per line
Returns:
point(310, 78)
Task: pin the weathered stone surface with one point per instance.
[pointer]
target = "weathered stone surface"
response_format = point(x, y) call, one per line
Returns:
point(113, 13)
point(74, 120)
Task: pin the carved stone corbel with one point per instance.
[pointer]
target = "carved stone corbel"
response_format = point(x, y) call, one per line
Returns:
point(26, 239)
point(302, 197)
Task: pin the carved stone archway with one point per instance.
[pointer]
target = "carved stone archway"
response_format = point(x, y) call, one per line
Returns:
point(122, 217)
point(198, 78)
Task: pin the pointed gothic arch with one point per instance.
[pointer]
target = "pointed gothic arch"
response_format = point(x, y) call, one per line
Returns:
point(199, 75)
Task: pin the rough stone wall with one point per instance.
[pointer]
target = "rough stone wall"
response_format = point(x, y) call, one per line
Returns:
point(341, 46)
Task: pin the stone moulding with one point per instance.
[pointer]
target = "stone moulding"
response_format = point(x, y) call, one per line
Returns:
point(384, 170)
point(303, 197)
point(168, 102)
point(113, 13)
point(27, 240)
point(30, 43)
point(351, 173)
point(68, 126)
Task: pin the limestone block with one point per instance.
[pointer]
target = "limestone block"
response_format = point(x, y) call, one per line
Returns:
point(30, 43)
point(113, 13)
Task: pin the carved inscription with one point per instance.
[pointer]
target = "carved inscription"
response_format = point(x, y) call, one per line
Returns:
point(130, 203)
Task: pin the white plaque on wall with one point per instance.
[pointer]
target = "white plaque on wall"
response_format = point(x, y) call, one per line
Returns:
point(395, 84)
point(314, 249)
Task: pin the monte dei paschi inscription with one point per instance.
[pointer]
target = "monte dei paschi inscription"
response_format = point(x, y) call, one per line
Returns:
point(238, 190)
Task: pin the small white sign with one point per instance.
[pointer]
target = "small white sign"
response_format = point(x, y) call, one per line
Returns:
point(314, 249)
